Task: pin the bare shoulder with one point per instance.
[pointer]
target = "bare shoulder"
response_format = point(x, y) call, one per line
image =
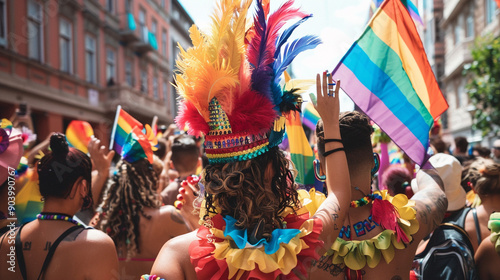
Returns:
point(173, 259)
point(487, 260)
point(97, 244)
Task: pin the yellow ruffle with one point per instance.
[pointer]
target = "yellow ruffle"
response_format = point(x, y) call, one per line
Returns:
point(309, 201)
point(285, 259)
point(356, 254)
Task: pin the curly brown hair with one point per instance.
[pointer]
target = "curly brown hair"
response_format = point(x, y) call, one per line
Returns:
point(130, 191)
point(243, 191)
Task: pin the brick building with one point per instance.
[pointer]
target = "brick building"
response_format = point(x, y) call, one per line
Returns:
point(79, 59)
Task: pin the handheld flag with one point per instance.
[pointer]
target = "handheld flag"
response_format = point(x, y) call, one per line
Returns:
point(300, 150)
point(387, 74)
point(78, 135)
point(124, 123)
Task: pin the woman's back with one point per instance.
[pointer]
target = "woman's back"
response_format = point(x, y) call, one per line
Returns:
point(83, 253)
point(164, 224)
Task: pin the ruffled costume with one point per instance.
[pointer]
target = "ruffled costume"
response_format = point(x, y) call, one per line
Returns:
point(224, 252)
point(355, 254)
point(494, 226)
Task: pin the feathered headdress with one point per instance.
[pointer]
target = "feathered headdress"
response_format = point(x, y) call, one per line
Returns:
point(230, 80)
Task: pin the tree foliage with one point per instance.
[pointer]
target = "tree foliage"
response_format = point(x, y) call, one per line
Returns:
point(483, 85)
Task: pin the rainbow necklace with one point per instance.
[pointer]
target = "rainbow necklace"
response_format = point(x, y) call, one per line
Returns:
point(56, 216)
point(365, 200)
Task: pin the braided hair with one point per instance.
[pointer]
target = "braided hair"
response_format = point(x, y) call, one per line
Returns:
point(130, 191)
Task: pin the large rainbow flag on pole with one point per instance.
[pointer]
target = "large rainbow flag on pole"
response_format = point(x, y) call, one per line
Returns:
point(124, 123)
point(412, 8)
point(387, 74)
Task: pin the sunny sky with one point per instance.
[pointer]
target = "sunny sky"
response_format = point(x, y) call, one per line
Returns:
point(338, 23)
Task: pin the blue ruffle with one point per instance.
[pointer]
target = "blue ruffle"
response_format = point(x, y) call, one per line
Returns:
point(240, 236)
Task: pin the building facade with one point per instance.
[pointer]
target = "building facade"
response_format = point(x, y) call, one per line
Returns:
point(79, 59)
point(463, 21)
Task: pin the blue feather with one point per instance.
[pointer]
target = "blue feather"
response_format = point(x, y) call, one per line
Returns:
point(291, 50)
point(286, 34)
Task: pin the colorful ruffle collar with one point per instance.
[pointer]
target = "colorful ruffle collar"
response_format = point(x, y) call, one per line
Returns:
point(355, 254)
point(494, 226)
point(222, 251)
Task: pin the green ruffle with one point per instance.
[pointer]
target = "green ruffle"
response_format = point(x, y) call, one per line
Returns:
point(494, 226)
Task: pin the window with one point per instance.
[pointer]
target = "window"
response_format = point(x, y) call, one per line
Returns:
point(491, 8)
point(144, 81)
point(155, 88)
point(456, 32)
point(162, 3)
point(110, 6)
point(469, 25)
point(66, 45)
point(110, 67)
point(129, 73)
point(142, 23)
point(90, 59)
point(154, 25)
point(128, 6)
point(463, 100)
point(35, 34)
point(164, 43)
point(3, 23)
point(165, 92)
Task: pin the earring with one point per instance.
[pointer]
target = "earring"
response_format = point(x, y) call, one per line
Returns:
point(376, 158)
point(321, 178)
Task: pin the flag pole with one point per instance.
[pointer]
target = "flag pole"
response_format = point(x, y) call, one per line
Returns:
point(153, 124)
point(118, 109)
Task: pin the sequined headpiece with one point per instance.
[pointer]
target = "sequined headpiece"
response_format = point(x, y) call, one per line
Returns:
point(230, 80)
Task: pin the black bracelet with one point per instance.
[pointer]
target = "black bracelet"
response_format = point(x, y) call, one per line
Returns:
point(325, 154)
point(333, 140)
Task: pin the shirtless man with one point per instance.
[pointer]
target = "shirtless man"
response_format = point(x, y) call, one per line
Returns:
point(430, 206)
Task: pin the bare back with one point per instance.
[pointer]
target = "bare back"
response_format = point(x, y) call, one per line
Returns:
point(165, 223)
point(83, 254)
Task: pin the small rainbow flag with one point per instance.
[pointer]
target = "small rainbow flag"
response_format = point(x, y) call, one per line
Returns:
point(28, 200)
point(300, 150)
point(387, 74)
point(124, 123)
point(78, 134)
point(310, 116)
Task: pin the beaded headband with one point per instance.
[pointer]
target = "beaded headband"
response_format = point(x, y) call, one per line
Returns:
point(230, 80)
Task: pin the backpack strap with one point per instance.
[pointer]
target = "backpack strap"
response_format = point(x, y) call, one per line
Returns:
point(478, 228)
point(459, 219)
point(19, 253)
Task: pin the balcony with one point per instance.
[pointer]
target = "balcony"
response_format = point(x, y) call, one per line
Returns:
point(128, 29)
point(135, 102)
point(457, 57)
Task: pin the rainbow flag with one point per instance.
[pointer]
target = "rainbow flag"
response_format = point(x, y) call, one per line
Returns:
point(124, 123)
point(410, 6)
point(300, 150)
point(28, 200)
point(310, 116)
point(78, 134)
point(387, 74)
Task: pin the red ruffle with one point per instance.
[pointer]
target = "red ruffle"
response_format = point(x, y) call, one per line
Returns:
point(207, 267)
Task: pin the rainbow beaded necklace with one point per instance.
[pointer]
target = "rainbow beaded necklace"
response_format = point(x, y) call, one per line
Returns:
point(365, 200)
point(56, 216)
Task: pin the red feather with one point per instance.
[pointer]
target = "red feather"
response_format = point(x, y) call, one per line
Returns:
point(189, 115)
point(386, 215)
point(254, 114)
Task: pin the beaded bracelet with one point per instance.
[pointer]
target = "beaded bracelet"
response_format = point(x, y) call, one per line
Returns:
point(333, 140)
point(325, 154)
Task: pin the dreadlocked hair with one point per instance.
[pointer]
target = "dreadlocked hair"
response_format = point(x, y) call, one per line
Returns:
point(484, 174)
point(239, 189)
point(130, 191)
point(355, 129)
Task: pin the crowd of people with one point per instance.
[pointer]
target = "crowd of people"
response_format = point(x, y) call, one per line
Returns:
point(222, 202)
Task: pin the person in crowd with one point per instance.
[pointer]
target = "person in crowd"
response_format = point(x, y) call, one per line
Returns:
point(185, 159)
point(488, 254)
point(132, 214)
point(460, 152)
point(484, 179)
point(496, 150)
point(255, 225)
point(439, 145)
point(397, 180)
point(55, 245)
point(367, 221)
